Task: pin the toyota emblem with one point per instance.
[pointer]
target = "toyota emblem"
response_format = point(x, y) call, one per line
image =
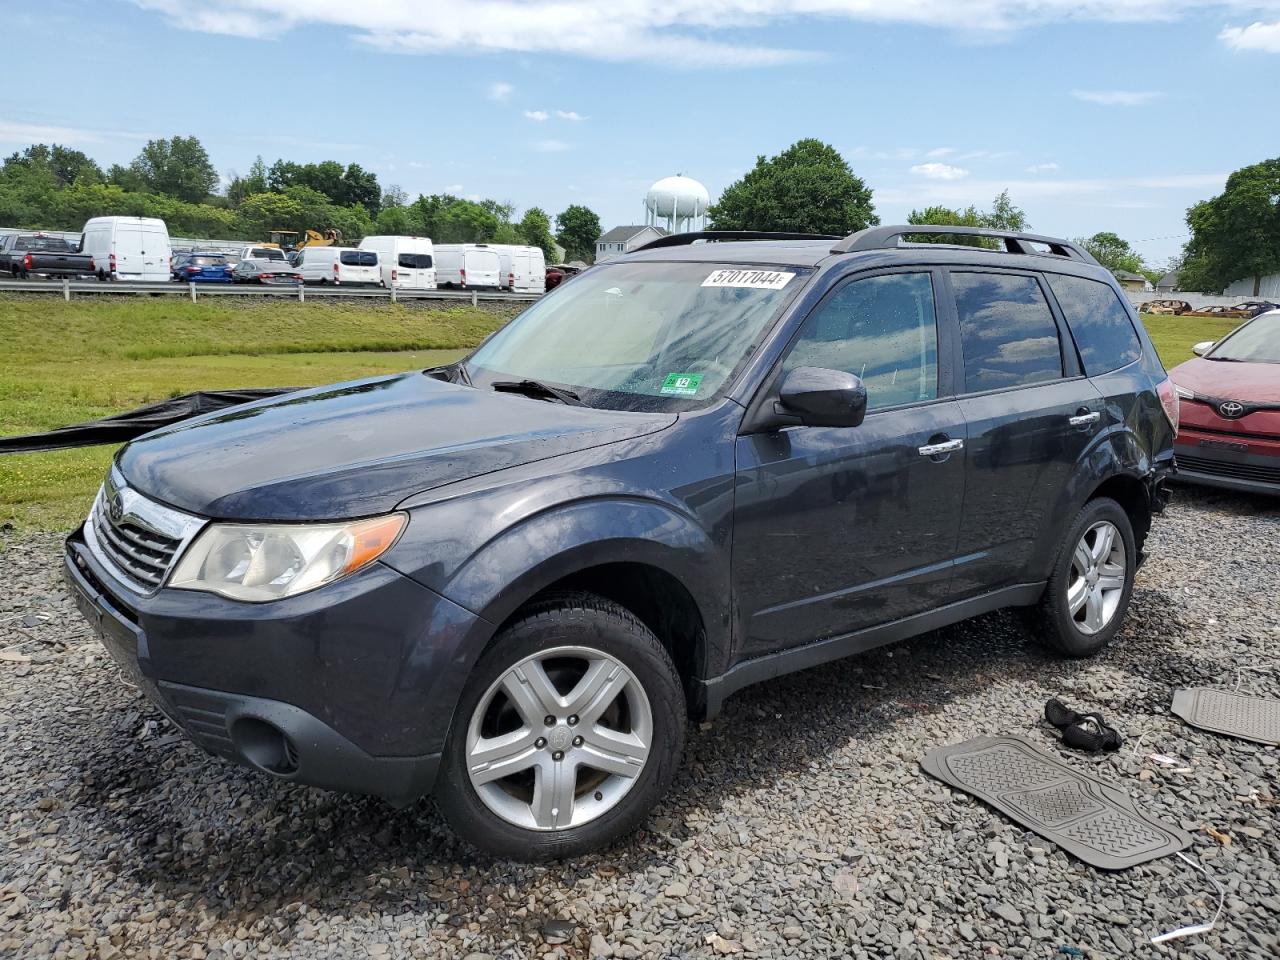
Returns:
point(115, 510)
point(1230, 409)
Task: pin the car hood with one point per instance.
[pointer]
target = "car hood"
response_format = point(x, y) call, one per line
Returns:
point(1255, 382)
point(357, 449)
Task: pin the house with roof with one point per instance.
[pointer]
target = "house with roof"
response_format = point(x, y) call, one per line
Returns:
point(619, 240)
point(1133, 281)
point(1168, 283)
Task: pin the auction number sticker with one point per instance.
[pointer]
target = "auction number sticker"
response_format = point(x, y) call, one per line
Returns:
point(681, 384)
point(752, 279)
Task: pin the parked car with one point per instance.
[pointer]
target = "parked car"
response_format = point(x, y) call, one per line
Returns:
point(346, 266)
point(1175, 308)
point(555, 276)
point(508, 580)
point(1252, 308)
point(202, 268)
point(1231, 409)
point(270, 272)
point(25, 255)
point(128, 248)
point(470, 266)
point(1219, 312)
point(406, 263)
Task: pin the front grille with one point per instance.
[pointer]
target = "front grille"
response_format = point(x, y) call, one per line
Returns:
point(135, 537)
point(1235, 471)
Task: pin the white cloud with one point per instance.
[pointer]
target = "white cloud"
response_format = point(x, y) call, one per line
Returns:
point(500, 90)
point(1099, 191)
point(1117, 98)
point(14, 131)
point(569, 115)
point(454, 188)
point(1264, 37)
point(539, 115)
point(938, 153)
point(675, 33)
point(551, 146)
point(939, 171)
point(1042, 167)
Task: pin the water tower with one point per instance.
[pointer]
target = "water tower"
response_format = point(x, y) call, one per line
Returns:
point(678, 203)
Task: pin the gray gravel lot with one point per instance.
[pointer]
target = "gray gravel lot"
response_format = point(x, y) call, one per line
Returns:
point(800, 824)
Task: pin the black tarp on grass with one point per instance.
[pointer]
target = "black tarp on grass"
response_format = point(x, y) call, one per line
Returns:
point(134, 423)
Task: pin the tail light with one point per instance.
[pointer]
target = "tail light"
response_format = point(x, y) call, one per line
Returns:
point(112, 263)
point(26, 262)
point(1169, 400)
point(462, 276)
point(511, 281)
point(93, 265)
point(266, 276)
point(193, 269)
point(393, 276)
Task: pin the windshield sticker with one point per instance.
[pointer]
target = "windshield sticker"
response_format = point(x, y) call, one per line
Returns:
point(752, 279)
point(681, 384)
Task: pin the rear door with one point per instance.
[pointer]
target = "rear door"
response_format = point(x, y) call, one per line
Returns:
point(1031, 415)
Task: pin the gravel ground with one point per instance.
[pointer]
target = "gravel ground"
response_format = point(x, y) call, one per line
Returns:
point(800, 824)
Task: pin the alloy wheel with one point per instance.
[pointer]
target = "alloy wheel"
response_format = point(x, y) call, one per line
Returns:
point(1097, 581)
point(559, 739)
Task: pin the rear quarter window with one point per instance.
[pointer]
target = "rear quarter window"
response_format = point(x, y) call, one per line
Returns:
point(359, 258)
point(415, 261)
point(1099, 323)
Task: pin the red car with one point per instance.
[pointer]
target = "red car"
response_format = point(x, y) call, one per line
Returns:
point(1230, 430)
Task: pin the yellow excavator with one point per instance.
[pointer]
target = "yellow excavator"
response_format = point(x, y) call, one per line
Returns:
point(289, 239)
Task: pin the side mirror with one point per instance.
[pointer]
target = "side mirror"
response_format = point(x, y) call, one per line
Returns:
point(1203, 347)
point(820, 397)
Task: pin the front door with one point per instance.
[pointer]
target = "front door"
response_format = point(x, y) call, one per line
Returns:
point(837, 529)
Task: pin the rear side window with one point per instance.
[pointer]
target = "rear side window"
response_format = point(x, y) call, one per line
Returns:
point(882, 329)
point(266, 253)
point(415, 261)
point(208, 261)
point(1099, 323)
point(1007, 332)
point(359, 258)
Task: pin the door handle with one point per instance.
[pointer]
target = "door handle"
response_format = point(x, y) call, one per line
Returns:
point(946, 446)
point(1084, 419)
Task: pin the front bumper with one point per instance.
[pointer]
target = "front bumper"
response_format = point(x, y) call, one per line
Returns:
point(1245, 463)
point(350, 687)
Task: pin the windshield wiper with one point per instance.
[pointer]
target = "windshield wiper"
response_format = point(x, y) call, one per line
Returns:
point(536, 388)
point(1226, 359)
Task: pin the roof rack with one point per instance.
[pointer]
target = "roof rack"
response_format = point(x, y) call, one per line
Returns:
point(684, 239)
point(882, 238)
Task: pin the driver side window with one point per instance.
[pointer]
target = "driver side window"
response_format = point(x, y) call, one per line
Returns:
point(883, 329)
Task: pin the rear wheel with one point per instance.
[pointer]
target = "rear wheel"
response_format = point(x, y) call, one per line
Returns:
point(568, 731)
point(1091, 584)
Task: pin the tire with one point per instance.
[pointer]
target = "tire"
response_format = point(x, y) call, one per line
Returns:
point(1099, 613)
point(642, 701)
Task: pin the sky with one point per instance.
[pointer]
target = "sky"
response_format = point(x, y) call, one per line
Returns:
point(1094, 114)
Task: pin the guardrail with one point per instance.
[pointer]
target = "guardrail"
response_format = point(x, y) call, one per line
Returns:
point(301, 292)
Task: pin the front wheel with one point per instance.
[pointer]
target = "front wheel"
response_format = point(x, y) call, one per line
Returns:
point(1092, 582)
point(569, 730)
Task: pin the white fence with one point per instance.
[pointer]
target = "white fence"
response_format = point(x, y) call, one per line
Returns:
point(1268, 288)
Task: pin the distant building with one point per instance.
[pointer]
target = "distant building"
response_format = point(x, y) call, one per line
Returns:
point(621, 239)
point(1168, 283)
point(1133, 281)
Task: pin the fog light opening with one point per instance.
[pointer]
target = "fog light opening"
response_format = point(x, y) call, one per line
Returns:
point(265, 746)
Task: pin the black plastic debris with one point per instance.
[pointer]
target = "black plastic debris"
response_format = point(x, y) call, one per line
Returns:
point(134, 423)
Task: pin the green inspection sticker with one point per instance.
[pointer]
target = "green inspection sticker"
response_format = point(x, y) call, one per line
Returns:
point(681, 384)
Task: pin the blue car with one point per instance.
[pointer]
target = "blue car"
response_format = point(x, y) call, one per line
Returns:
point(202, 268)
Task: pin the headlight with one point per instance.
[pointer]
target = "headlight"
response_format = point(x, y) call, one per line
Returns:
point(1184, 393)
point(258, 562)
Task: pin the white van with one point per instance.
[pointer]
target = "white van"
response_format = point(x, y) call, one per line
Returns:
point(254, 252)
point(128, 248)
point(338, 265)
point(468, 265)
point(524, 269)
point(407, 263)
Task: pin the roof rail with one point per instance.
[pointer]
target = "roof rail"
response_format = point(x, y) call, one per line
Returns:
point(882, 238)
point(684, 239)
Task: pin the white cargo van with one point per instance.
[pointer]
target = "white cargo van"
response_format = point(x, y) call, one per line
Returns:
point(524, 269)
point(407, 263)
point(128, 248)
point(338, 265)
point(252, 252)
point(468, 265)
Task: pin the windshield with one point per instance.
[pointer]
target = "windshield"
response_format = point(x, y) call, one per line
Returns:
point(1256, 342)
point(48, 244)
point(641, 336)
point(266, 253)
point(208, 261)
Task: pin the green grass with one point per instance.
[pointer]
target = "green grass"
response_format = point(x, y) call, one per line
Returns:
point(70, 362)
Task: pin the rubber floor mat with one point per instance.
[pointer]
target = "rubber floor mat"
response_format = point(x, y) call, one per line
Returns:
point(1090, 819)
point(1233, 714)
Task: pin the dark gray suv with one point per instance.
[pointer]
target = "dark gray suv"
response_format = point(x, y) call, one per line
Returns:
point(509, 581)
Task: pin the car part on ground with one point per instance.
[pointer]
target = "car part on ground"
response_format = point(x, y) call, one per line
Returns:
point(1084, 731)
point(1095, 821)
point(1232, 714)
point(1167, 308)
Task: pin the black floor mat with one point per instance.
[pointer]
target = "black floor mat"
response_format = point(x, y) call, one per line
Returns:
point(1232, 714)
point(1092, 820)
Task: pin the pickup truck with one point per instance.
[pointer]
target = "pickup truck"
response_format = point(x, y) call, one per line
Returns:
point(38, 255)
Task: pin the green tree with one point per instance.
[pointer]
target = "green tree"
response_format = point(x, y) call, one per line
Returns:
point(177, 167)
point(394, 221)
point(63, 165)
point(807, 188)
point(577, 230)
point(1235, 235)
point(1112, 252)
point(465, 221)
point(360, 186)
point(535, 230)
point(254, 182)
point(1004, 215)
point(945, 216)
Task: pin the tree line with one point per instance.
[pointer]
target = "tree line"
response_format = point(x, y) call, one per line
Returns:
point(54, 187)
